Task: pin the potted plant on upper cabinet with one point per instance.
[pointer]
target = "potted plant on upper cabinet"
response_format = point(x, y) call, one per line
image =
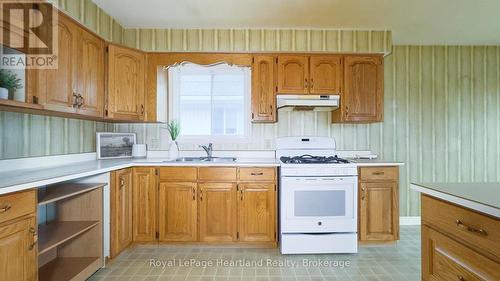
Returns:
point(9, 83)
point(174, 129)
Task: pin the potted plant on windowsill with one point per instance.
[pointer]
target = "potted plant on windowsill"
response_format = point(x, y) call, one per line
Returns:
point(174, 129)
point(9, 83)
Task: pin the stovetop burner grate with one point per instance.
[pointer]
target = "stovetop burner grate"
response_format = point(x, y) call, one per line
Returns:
point(310, 159)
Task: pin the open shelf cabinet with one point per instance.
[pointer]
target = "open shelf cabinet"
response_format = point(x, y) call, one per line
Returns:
point(70, 245)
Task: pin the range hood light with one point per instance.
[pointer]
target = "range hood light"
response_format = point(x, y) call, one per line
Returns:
point(308, 102)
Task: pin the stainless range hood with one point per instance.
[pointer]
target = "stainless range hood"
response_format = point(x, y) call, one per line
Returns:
point(308, 102)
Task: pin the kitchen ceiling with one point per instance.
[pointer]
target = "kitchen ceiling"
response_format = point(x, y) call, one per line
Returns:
point(422, 22)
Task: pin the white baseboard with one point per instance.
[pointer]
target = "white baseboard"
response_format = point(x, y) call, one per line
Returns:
point(409, 220)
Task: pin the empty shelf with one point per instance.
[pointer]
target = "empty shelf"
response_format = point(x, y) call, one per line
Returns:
point(61, 191)
point(65, 269)
point(56, 233)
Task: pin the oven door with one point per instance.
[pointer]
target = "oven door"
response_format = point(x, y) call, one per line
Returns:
point(318, 204)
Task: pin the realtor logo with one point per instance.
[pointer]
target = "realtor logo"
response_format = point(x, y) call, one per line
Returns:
point(29, 35)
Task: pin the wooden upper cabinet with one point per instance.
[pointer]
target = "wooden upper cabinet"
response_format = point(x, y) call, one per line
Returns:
point(362, 99)
point(91, 54)
point(56, 88)
point(177, 211)
point(126, 82)
point(144, 204)
point(257, 214)
point(77, 84)
point(264, 89)
point(217, 215)
point(326, 74)
point(18, 251)
point(293, 74)
point(121, 210)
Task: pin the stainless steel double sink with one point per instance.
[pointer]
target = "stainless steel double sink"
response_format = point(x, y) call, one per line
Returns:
point(206, 159)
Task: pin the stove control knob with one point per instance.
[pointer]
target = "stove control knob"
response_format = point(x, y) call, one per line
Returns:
point(320, 223)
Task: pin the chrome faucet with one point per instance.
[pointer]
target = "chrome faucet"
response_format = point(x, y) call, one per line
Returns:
point(208, 149)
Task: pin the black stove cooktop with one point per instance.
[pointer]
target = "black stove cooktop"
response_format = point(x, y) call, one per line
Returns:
point(310, 159)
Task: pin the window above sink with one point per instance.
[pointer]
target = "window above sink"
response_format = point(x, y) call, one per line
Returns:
point(212, 103)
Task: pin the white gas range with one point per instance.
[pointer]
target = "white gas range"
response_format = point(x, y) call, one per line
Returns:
point(318, 197)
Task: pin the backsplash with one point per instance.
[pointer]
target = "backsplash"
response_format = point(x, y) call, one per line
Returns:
point(26, 135)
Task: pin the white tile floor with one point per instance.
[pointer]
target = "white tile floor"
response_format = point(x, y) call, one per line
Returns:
point(400, 262)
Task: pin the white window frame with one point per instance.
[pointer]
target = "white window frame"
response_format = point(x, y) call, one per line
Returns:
point(174, 103)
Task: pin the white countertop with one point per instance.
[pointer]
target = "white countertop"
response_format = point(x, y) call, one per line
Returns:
point(17, 180)
point(481, 197)
point(374, 162)
point(25, 173)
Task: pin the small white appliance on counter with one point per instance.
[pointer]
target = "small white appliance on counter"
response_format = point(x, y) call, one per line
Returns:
point(318, 197)
point(139, 151)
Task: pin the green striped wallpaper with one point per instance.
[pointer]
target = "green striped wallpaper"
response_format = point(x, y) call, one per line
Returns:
point(259, 40)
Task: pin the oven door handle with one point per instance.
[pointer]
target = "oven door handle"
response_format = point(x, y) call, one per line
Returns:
point(323, 179)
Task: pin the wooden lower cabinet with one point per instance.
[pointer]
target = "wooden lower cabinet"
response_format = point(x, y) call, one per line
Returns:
point(188, 205)
point(378, 204)
point(177, 212)
point(458, 243)
point(18, 250)
point(144, 205)
point(257, 212)
point(121, 210)
point(446, 259)
point(217, 215)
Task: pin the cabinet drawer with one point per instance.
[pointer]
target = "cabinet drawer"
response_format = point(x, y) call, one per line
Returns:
point(16, 205)
point(446, 259)
point(257, 174)
point(217, 174)
point(378, 173)
point(478, 230)
point(182, 174)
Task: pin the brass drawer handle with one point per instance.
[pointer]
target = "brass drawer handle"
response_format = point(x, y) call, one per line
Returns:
point(6, 208)
point(35, 238)
point(257, 174)
point(479, 231)
point(377, 173)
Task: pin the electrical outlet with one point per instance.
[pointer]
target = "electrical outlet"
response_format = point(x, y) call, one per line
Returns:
point(268, 144)
point(154, 144)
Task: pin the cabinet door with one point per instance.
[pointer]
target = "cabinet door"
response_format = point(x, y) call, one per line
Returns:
point(121, 210)
point(363, 89)
point(264, 89)
point(91, 54)
point(446, 259)
point(126, 78)
point(18, 251)
point(144, 204)
point(326, 74)
point(378, 211)
point(256, 208)
point(177, 211)
point(217, 202)
point(56, 88)
point(293, 74)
